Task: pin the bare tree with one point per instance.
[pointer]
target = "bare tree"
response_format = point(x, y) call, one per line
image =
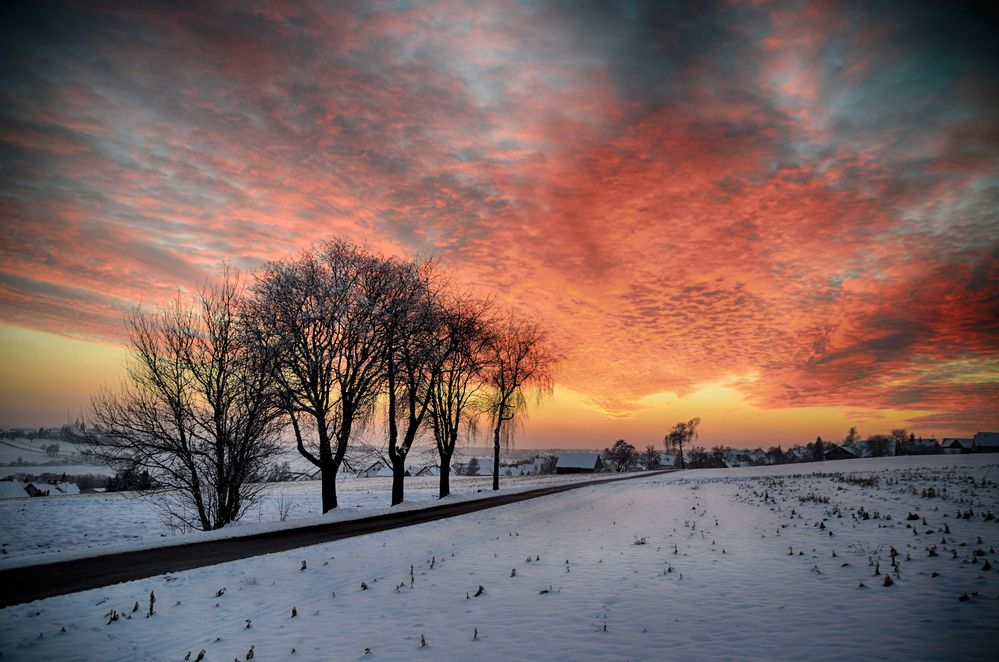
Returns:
point(622, 454)
point(650, 457)
point(520, 362)
point(455, 396)
point(409, 326)
point(548, 464)
point(318, 311)
point(901, 438)
point(197, 410)
point(684, 432)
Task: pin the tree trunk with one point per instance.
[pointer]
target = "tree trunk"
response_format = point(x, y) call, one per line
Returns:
point(328, 473)
point(445, 477)
point(398, 476)
point(496, 445)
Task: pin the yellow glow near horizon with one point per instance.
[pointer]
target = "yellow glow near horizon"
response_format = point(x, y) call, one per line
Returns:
point(46, 378)
point(570, 419)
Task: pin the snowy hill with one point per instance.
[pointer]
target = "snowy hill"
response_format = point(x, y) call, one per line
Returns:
point(780, 562)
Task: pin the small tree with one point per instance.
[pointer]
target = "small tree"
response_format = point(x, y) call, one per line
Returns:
point(819, 450)
point(684, 432)
point(879, 445)
point(851, 437)
point(519, 361)
point(548, 464)
point(621, 454)
point(650, 457)
point(699, 458)
point(472, 468)
point(901, 438)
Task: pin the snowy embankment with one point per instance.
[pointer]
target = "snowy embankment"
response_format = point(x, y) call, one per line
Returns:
point(59, 528)
point(771, 563)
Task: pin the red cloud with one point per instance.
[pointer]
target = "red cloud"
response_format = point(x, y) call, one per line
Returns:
point(678, 210)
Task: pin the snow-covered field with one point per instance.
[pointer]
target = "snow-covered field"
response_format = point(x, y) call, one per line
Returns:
point(25, 456)
point(783, 562)
point(58, 527)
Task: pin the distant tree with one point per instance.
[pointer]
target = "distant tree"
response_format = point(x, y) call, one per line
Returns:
point(197, 412)
point(129, 480)
point(520, 361)
point(697, 458)
point(716, 458)
point(879, 445)
point(52, 450)
point(621, 454)
point(548, 464)
point(472, 468)
point(818, 450)
point(650, 457)
point(901, 438)
point(278, 472)
point(851, 437)
point(684, 432)
point(776, 455)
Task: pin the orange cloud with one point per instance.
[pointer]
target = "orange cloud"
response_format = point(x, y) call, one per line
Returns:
point(803, 197)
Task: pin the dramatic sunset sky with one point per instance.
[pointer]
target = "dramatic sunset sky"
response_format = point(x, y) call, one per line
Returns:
point(781, 217)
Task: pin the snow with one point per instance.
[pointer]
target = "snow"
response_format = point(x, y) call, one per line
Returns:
point(12, 489)
point(58, 528)
point(753, 576)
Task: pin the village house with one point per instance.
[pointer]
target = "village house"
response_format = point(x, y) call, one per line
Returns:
point(578, 463)
point(835, 452)
point(922, 446)
point(11, 489)
point(952, 445)
point(428, 470)
point(985, 442)
point(379, 469)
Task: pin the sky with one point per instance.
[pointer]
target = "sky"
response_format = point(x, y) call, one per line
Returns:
point(780, 217)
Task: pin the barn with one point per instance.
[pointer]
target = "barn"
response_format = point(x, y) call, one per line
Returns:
point(952, 445)
point(987, 442)
point(834, 452)
point(578, 463)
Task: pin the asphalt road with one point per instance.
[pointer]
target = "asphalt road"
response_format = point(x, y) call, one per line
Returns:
point(20, 585)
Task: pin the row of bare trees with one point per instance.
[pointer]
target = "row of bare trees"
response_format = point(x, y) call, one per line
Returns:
point(323, 343)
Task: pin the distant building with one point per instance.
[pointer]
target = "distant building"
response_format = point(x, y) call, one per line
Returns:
point(379, 469)
point(952, 445)
point(669, 460)
point(877, 446)
point(986, 442)
point(578, 463)
point(834, 452)
point(429, 470)
point(799, 454)
point(922, 446)
point(14, 488)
